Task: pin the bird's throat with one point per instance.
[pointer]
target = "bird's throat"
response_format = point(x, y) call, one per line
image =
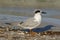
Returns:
point(37, 17)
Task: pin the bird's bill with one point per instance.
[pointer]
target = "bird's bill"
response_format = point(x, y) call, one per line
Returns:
point(44, 13)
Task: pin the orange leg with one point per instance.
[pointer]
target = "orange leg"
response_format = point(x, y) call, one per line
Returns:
point(32, 33)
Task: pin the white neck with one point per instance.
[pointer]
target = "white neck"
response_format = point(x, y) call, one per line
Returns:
point(37, 17)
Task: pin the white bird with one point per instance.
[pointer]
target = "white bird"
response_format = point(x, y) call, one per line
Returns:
point(34, 21)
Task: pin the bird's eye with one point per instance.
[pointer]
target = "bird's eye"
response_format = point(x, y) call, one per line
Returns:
point(37, 11)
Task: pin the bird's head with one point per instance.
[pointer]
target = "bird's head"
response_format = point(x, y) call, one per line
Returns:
point(38, 11)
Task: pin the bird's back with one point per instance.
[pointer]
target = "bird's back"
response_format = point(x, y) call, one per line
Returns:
point(30, 23)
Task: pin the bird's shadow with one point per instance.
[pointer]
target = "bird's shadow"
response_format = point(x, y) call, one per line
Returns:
point(46, 28)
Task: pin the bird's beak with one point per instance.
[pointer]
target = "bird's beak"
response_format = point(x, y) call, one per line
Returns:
point(44, 13)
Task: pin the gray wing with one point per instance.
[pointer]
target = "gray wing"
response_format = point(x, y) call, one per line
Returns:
point(29, 23)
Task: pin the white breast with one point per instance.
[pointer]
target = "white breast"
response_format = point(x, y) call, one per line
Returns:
point(37, 17)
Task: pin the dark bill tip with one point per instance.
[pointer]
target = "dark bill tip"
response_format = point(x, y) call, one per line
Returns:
point(44, 13)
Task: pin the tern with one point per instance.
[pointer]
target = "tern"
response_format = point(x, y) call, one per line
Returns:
point(34, 21)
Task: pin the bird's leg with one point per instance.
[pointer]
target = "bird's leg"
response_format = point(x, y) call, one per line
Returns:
point(30, 32)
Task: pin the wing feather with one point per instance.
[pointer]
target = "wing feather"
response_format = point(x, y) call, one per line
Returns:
point(30, 23)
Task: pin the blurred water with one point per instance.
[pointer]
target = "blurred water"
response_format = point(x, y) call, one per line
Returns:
point(51, 18)
point(53, 13)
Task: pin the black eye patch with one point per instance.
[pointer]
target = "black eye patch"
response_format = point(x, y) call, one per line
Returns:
point(37, 11)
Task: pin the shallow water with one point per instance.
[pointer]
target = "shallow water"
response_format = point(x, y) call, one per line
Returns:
point(53, 13)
